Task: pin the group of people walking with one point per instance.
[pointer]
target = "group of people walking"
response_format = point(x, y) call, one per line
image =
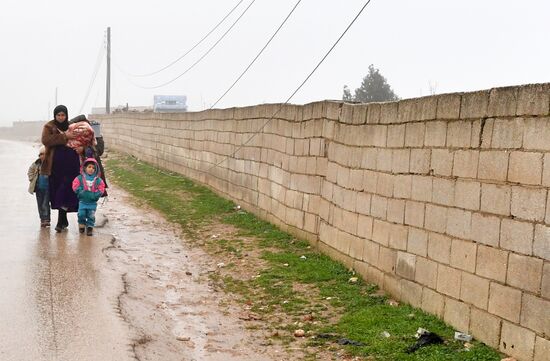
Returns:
point(68, 174)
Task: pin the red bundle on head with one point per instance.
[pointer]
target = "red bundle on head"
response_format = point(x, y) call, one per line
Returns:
point(84, 135)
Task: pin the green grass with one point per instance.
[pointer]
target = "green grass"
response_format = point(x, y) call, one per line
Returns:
point(291, 286)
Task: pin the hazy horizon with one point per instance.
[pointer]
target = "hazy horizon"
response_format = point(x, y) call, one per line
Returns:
point(420, 47)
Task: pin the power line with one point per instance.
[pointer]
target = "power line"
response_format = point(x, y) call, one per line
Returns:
point(203, 56)
point(297, 89)
point(191, 49)
point(257, 56)
point(97, 65)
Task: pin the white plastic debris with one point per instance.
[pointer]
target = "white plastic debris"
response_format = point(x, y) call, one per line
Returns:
point(385, 334)
point(461, 336)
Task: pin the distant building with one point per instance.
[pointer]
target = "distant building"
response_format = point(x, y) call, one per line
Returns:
point(169, 103)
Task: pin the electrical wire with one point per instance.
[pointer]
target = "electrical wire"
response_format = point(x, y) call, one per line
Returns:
point(257, 56)
point(203, 56)
point(97, 66)
point(191, 49)
point(295, 91)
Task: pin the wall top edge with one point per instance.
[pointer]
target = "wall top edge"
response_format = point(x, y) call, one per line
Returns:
point(267, 109)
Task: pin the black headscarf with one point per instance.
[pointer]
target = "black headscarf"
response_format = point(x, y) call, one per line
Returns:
point(61, 109)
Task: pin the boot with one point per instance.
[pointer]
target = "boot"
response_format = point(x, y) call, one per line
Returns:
point(65, 221)
point(89, 231)
point(81, 228)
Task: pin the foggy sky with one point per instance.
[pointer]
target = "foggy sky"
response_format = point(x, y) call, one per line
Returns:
point(447, 46)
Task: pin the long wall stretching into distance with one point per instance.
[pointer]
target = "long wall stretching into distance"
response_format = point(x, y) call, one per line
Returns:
point(442, 200)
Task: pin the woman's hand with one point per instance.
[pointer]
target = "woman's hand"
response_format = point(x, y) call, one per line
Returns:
point(70, 135)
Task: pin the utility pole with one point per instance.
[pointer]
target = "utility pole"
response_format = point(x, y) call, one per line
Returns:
point(108, 90)
point(56, 96)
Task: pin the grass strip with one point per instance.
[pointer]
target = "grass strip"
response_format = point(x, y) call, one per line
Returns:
point(297, 287)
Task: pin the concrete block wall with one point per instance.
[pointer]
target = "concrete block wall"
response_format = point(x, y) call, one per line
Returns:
point(442, 200)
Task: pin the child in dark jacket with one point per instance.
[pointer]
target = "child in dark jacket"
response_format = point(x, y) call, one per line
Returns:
point(88, 187)
point(38, 184)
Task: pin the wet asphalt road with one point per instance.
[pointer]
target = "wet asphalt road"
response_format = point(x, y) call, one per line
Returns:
point(58, 297)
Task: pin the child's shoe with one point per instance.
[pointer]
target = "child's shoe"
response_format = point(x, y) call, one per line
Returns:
point(89, 231)
point(43, 224)
point(81, 228)
point(47, 223)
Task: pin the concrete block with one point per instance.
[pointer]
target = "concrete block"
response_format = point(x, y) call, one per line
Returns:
point(396, 136)
point(492, 263)
point(387, 259)
point(388, 113)
point(505, 302)
point(465, 163)
point(417, 109)
point(546, 170)
point(436, 218)
point(537, 133)
point(411, 293)
point(541, 245)
point(459, 134)
point(414, 213)
point(433, 302)
point(467, 195)
point(396, 210)
point(406, 265)
point(463, 255)
point(457, 314)
point(384, 160)
point(371, 251)
point(485, 133)
point(363, 203)
point(503, 101)
point(474, 290)
point(448, 281)
point(517, 341)
point(402, 186)
point(370, 180)
point(414, 134)
point(545, 288)
point(516, 236)
point(535, 314)
point(398, 237)
point(401, 160)
point(525, 168)
point(439, 248)
point(485, 327)
point(417, 242)
point(493, 165)
point(436, 134)
point(379, 207)
point(421, 188)
point(356, 247)
point(459, 223)
point(448, 106)
point(392, 285)
point(477, 135)
point(369, 158)
point(420, 161)
point(381, 232)
point(496, 199)
point(364, 226)
point(508, 133)
point(442, 162)
point(524, 272)
point(485, 229)
point(426, 272)
point(474, 105)
point(373, 113)
point(533, 99)
point(542, 349)
point(528, 203)
point(443, 191)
